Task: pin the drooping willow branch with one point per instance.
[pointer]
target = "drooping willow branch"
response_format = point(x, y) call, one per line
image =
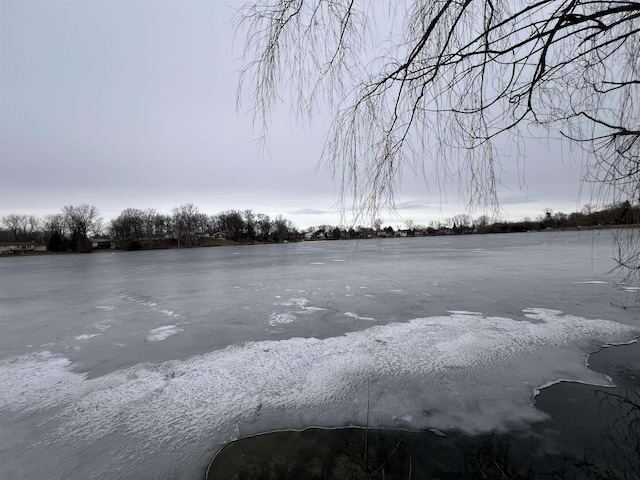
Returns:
point(430, 85)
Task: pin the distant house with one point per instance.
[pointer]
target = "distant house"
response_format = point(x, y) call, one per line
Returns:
point(103, 243)
point(21, 248)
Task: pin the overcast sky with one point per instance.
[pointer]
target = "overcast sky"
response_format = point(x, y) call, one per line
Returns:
point(133, 104)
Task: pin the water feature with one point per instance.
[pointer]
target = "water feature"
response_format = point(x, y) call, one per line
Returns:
point(144, 364)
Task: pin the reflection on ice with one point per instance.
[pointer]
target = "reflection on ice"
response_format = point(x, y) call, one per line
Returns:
point(463, 371)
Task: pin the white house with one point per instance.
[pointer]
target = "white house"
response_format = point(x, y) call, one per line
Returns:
point(21, 248)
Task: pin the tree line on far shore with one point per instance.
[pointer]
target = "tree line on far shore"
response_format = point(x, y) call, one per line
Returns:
point(73, 228)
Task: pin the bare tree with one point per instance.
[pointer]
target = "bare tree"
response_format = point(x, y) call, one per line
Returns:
point(128, 228)
point(283, 230)
point(462, 220)
point(19, 225)
point(443, 80)
point(82, 220)
point(482, 221)
point(149, 217)
point(250, 224)
point(55, 224)
point(189, 223)
point(264, 226)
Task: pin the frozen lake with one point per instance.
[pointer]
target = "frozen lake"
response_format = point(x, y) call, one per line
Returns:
point(142, 364)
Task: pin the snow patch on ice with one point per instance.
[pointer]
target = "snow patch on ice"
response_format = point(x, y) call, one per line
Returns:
point(476, 373)
point(358, 317)
point(162, 333)
point(301, 304)
point(544, 314)
point(463, 312)
point(593, 282)
point(294, 302)
point(35, 382)
point(106, 308)
point(151, 304)
point(280, 318)
point(86, 336)
point(299, 307)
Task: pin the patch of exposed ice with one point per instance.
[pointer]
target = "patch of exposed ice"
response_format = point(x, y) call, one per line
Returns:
point(162, 333)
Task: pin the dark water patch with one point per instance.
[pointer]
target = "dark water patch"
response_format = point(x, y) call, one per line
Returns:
point(355, 453)
point(592, 432)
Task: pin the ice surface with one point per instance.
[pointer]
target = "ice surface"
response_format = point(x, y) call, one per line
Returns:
point(118, 405)
point(470, 372)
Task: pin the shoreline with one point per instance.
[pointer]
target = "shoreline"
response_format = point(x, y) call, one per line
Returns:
point(211, 242)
